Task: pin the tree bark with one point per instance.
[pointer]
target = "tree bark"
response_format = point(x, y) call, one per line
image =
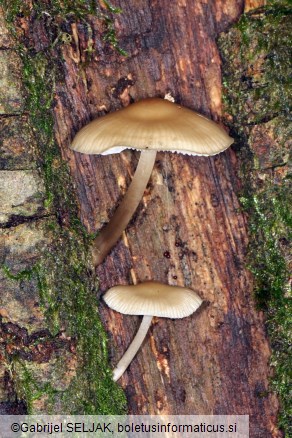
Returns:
point(189, 230)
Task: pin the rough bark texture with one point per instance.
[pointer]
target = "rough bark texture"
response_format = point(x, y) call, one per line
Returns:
point(46, 348)
point(27, 347)
point(253, 4)
point(189, 230)
point(257, 89)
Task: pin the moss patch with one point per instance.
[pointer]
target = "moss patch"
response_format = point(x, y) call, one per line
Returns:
point(65, 11)
point(65, 282)
point(257, 84)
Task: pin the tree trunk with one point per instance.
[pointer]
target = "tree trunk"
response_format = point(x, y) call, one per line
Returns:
point(189, 230)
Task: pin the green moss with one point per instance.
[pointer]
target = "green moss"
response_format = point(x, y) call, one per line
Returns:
point(66, 286)
point(269, 223)
point(29, 389)
point(257, 86)
point(66, 10)
point(39, 73)
point(25, 274)
point(69, 299)
point(257, 77)
point(270, 232)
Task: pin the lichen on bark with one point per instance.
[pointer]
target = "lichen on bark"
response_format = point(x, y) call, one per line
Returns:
point(257, 83)
point(58, 361)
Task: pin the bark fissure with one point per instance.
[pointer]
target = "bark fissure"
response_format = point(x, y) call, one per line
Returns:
point(216, 360)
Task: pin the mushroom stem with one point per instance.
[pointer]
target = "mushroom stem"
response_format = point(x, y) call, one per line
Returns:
point(122, 216)
point(133, 348)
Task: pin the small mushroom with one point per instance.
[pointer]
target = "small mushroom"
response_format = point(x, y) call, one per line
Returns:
point(149, 299)
point(150, 125)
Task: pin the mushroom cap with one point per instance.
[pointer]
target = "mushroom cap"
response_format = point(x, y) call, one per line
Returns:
point(152, 123)
point(153, 299)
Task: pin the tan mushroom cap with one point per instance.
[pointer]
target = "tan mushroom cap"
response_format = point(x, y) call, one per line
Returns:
point(153, 299)
point(152, 124)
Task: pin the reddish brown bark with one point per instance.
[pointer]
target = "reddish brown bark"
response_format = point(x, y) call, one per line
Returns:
point(189, 229)
point(253, 4)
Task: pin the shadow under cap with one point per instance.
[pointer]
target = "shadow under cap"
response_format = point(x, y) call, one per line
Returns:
point(149, 299)
point(153, 298)
point(150, 125)
point(155, 124)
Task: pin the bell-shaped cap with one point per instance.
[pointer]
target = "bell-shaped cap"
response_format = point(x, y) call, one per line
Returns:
point(153, 299)
point(152, 123)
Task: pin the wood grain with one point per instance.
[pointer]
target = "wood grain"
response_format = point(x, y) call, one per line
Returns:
point(189, 230)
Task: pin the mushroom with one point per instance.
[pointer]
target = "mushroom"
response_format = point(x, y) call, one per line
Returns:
point(150, 125)
point(149, 299)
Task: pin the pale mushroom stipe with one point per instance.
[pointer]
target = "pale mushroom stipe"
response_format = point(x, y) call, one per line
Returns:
point(149, 299)
point(150, 125)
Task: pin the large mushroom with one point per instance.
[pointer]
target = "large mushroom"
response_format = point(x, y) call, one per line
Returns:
point(149, 299)
point(150, 125)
